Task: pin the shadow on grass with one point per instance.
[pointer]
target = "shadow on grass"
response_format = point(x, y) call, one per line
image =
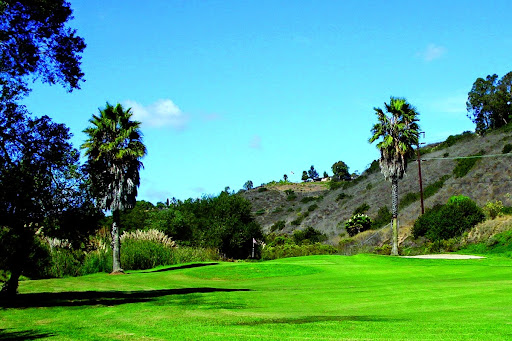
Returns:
point(105, 298)
point(314, 319)
point(189, 266)
point(22, 335)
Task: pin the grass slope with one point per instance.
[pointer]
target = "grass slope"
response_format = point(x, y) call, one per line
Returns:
point(362, 297)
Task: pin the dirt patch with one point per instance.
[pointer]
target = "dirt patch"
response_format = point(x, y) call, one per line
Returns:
point(445, 256)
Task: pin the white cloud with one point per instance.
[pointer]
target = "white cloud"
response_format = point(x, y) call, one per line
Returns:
point(255, 142)
point(432, 52)
point(163, 113)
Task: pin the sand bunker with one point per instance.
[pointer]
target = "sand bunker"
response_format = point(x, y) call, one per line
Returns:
point(445, 256)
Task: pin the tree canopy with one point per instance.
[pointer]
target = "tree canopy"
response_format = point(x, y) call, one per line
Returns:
point(489, 102)
point(340, 170)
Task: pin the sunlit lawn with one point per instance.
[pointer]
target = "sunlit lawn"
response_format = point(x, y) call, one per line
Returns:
point(362, 297)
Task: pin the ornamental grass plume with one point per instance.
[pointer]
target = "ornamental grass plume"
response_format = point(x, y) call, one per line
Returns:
point(149, 235)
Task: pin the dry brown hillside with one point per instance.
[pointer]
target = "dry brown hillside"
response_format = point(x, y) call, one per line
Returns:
point(489, 179)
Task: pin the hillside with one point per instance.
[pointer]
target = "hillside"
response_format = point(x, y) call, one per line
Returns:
point(489, 179)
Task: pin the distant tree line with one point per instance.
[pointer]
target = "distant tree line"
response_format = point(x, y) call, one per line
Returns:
point(224, 222)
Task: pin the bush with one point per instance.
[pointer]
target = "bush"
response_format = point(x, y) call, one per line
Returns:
point(278, 225)
point(342, 196)
point(464, 165)
point(262, 189)
point(507, 148)
point(144, 254)
point(260, 212)
point(308, 236)
point(334, 185)
point(357, 224)
point(305, 200)
point(312, 207)
point(383, 218)
point(493, 209)
point(449, 220)
point(361, 209)
point(292, 250)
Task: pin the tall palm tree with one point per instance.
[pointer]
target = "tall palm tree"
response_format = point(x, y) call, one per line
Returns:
point(114, 148)
point(399, 132)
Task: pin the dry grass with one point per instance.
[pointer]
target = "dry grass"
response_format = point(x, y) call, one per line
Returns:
point(487, 229)
point(489, 180)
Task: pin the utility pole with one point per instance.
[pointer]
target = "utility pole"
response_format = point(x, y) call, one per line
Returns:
point(419, 173)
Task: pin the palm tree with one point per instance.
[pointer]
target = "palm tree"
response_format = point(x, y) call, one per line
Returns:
point(399, 132)
point(114, 147)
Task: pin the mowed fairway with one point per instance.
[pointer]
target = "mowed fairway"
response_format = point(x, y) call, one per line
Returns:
point(363, 297)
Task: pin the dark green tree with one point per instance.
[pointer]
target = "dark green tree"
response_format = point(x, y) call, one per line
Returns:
point(285, 177)
point(114, 148)
point(248, 185)
point(489, 102)
point(398, 133)
point(305, 176)
point(312, 173)
point(340, 170)
point(35, 43)
point(42, 188)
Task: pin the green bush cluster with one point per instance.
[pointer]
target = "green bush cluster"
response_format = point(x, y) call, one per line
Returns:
point(308, 236)
point(313, 207)
point(493, 209)
point(449, 220)
point(361, 209)
point(334, 185)
point(383, 218)
point(357, 224)
point(293, 250)
point(507, 148)
point(305, 200)
point(342, 196)
point(278, 225)
point(464, 165)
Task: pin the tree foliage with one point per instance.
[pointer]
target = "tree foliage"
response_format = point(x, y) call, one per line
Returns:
point(489, 102)
point(35, 43)
point(312, 173)
point(459, 214)
point(340, 170)
point(248, 185)
point(42, 188)
point(41, 183)
point(224, 222)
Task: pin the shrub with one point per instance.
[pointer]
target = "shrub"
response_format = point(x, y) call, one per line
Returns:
point(408, 199)
point(383, 218)
point(507, 148)
point(383, 250)
point(278, 209)
point(278, 225)
point(374, 167)
point(334, 185)
point(449, 220)
point(305, 200)
point(292, 250)
point(363, 208)
point(342, 196)
point(464, 165)
point(357, 224)
point(493, 209)
point(291, 196)
point(262, 189)
point(312, 207)
point(260, 212)
point(308, 236)
point(369, 186)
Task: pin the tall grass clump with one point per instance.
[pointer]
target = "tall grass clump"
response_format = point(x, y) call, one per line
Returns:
point(146, 249)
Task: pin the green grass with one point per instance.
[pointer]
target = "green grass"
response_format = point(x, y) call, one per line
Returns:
point(364, 297)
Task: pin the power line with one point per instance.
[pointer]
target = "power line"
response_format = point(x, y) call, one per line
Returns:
point(464, 157)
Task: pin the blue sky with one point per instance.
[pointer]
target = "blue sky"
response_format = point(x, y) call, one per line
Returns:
point(230, 91)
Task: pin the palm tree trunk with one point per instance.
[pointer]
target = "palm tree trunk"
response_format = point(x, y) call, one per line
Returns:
point(116, 245)
point(394, 209)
